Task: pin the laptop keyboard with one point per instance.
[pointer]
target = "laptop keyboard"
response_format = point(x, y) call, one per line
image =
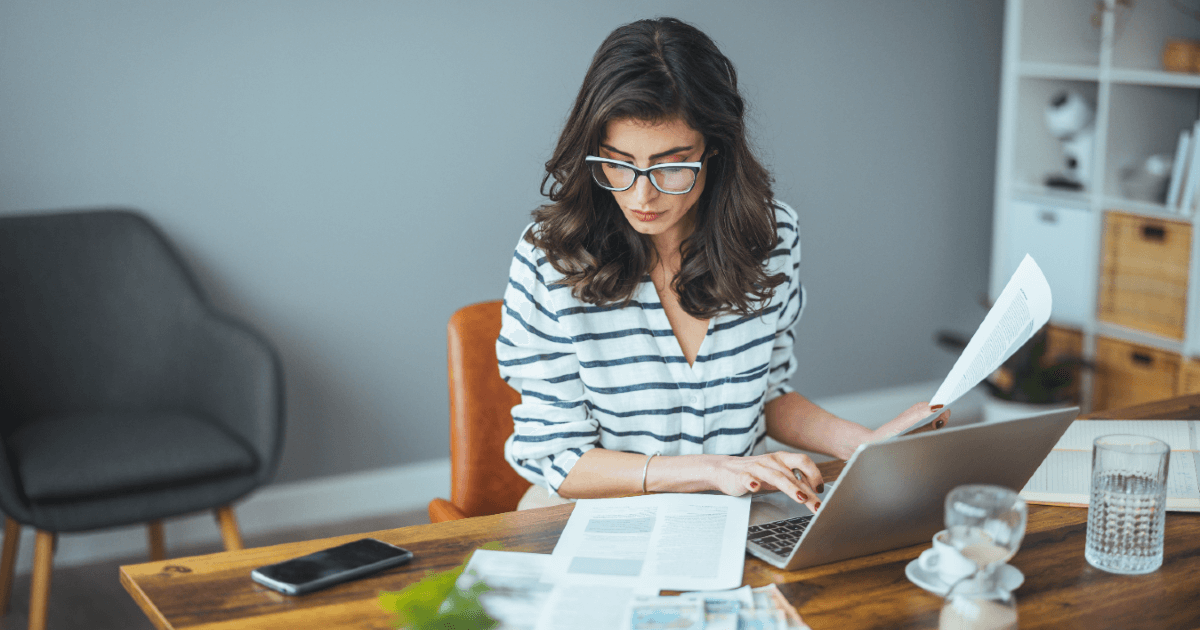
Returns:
point(779, 537)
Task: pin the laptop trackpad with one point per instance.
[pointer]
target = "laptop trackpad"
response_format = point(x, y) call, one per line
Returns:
point(776, 506)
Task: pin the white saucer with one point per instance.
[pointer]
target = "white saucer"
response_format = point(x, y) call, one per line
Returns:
point(1009, 577)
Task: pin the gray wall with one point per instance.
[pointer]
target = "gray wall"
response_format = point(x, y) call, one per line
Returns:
point(344, 175)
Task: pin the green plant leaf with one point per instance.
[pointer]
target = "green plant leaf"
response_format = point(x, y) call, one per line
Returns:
point(436, 603)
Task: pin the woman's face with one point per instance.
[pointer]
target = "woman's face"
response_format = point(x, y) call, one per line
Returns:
point(667, 219)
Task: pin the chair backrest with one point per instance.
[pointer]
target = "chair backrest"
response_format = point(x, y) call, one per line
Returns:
point(90, 305)
point(481, 480)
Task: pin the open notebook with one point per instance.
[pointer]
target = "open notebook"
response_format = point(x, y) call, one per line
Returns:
point(1064, 478)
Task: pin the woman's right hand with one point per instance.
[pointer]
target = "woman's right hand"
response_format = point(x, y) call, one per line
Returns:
point(773, 471)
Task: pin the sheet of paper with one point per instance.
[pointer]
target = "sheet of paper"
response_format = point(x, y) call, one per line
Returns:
point(658, 541)
point(1070, 473)
point(1021, 310)
point(742, 595)
point(1062, 473)
point(743, 609)
point(1082, 433)
point(585, 606)
point(721, 614)
point(722, 608)
point(518, 595)
point(670, 613)
point(1181, 476)
point(508, 569)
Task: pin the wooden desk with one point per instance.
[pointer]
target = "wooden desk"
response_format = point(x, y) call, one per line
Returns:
point(1061, 590)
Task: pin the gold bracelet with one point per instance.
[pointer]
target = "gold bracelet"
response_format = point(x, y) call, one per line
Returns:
point(646, 469)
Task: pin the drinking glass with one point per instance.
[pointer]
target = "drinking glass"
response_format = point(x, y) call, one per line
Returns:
point(971, 605)
point(986, 525)
point(1127, 512)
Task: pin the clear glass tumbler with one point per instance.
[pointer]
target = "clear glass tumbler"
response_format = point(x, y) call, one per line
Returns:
point(986, 524)
point(973, 604)
point(1127, 512)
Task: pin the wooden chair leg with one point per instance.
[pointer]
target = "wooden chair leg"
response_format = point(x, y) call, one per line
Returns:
point(229, 528)
point(39, 592)
point(157, 540)
point(8, 560)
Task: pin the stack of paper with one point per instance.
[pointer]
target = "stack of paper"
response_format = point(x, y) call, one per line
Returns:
point(1065, 477)
point(763, 608)
point(520, 600)
point(611, 551)
point(681, 542)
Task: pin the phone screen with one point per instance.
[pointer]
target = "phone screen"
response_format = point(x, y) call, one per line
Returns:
point(344, 560)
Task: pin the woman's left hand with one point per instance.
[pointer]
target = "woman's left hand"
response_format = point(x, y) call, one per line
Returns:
point(904, 421)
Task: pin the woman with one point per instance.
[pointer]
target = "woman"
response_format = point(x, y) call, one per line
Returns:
point(649, 312)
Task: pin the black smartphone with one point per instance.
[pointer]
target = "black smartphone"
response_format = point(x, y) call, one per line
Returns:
point(330, 566)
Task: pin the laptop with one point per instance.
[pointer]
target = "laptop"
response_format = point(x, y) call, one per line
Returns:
point(892, 493)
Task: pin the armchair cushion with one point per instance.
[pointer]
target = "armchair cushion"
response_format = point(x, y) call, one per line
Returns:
point(79, 456)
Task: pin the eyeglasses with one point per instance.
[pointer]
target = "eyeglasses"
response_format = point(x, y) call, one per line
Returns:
point(674, 178)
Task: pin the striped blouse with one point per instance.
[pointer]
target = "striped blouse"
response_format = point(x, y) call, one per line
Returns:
point(616, 378)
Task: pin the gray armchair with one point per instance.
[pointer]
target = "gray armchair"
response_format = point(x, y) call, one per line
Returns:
point(124, 396)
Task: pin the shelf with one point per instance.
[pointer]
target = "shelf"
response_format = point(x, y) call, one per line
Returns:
point(1036, 152)
point(1156, 77)
point(1133, 335)
point(1141, 29)
point(1056, 31)
point(1110, 52)
point(1044, 194)
point(1081, 72)
point(1065, 71)
point(1144, 120)
point(1156, 210)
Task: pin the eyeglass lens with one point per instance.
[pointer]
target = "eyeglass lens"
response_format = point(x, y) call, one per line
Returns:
point(620, 177)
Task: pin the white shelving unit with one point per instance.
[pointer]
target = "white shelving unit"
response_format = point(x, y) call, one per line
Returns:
point(1110, 52)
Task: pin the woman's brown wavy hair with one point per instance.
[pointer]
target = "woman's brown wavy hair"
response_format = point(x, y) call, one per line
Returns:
point(658, 70)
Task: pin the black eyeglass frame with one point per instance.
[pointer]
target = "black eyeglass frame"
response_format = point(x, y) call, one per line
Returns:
point(638, 172)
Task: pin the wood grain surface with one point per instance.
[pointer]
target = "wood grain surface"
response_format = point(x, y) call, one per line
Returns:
point(1060, 591)
point(215, 591)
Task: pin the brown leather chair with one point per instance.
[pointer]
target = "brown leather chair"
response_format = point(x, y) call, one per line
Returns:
point(481, 480)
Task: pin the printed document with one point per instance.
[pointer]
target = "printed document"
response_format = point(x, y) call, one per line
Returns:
point(763, 608)
point(1066, 475)
point(585, 607)
point(681, 542)
point(1021, 310)
point(520, 599)
point(517, 596)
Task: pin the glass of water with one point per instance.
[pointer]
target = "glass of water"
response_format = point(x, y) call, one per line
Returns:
point(1127, 512)
point(986, 524)
point(967, 607)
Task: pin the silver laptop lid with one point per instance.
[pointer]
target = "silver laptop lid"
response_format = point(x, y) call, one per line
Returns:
point(891, 494)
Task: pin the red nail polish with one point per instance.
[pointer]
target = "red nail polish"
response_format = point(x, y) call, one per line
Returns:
point(818, 506)
point(800, 495)
point(939, 424)
point(754, 485)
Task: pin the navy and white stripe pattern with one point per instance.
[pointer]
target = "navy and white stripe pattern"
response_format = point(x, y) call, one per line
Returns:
point(616, 378)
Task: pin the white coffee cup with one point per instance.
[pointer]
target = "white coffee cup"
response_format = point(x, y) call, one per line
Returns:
point(945, 561)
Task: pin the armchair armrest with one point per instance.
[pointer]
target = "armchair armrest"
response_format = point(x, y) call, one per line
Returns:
point(235, 377)
point(441, 510)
